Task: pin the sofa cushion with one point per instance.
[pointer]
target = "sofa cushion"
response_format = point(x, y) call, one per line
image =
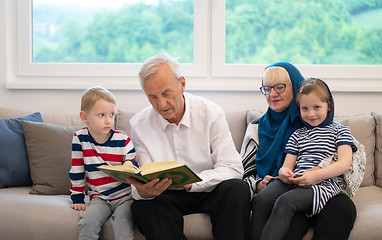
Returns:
point(369, 213)
point(237, 125)
point(13, 113)
point(122, 121)
point(14, 167)
point(63, 120)
point(253, 115)
point(378, 149)
point(27, 216)
point(49, 149)
point(362, 128)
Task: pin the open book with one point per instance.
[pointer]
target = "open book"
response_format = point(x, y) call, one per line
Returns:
point(179, 173)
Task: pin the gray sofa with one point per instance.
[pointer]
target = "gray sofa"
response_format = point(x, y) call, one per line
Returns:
point(42, 211)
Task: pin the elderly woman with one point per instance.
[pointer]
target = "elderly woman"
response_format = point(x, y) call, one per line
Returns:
point(263, 152)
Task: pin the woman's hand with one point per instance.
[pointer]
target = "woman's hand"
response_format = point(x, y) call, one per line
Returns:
point(263, 183)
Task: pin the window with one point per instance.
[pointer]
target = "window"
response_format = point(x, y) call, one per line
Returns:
point(339, 32)
point(115, 31)
point(224, 44)
point(330, 39)
point(84, 38)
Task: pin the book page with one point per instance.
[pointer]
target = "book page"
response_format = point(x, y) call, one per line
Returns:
point(159, 166)
point(123, 168)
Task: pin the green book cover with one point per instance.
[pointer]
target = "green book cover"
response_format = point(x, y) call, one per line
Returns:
point(179, 173)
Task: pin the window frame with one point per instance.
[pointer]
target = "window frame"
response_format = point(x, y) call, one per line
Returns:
point(209, 72)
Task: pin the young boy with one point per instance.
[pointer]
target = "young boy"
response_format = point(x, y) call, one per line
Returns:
point(92, 146)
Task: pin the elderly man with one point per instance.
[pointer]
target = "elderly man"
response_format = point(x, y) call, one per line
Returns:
point(194, 131)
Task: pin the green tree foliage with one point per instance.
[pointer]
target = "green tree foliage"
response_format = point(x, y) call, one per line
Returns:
point(304, 31)
point(131, 34)
point(261, 31)
point(369, 46)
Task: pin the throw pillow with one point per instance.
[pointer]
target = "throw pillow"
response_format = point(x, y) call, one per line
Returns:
point(14, 167)
point(49, 148)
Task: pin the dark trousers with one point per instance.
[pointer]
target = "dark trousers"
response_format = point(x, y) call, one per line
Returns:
point(274, 207)
point(228, 207)
point(335, 221)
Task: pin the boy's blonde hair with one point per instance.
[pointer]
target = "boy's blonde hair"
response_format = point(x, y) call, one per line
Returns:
point(93, 94)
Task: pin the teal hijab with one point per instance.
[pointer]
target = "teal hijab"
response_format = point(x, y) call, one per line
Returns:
point(276, 127)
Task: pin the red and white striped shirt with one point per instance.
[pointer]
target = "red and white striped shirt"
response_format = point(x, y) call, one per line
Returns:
point(87, 155)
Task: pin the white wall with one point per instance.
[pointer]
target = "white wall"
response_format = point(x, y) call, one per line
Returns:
point(67, 101)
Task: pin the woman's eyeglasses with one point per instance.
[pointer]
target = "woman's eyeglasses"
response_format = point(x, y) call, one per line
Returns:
point(279, 88)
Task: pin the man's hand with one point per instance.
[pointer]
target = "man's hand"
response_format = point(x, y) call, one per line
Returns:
point(187, 187)
point(79, 206)
point(151, 189)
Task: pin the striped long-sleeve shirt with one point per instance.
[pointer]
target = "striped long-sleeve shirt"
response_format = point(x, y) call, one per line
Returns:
point(87, 155)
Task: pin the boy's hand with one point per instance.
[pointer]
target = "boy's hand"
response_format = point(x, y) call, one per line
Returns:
point(128, 163)
point(79, 206)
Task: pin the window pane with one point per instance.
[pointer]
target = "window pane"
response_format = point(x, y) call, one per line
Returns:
point(113, 31)
point(304, 32)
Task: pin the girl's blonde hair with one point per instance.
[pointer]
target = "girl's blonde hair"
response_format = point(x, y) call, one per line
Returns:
point(317, 86)
point(93, 94)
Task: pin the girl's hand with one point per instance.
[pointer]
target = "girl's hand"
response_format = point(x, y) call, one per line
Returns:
point(286, 175)
point(314, 168)
point(308, 178)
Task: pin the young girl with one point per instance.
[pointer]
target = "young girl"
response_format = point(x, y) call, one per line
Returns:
point(305, 181)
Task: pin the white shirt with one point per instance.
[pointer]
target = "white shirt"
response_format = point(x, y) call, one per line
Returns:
point(201, 140)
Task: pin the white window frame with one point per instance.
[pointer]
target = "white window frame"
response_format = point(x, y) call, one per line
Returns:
point(365, 78)
point(28, 68)
point(209, 72)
